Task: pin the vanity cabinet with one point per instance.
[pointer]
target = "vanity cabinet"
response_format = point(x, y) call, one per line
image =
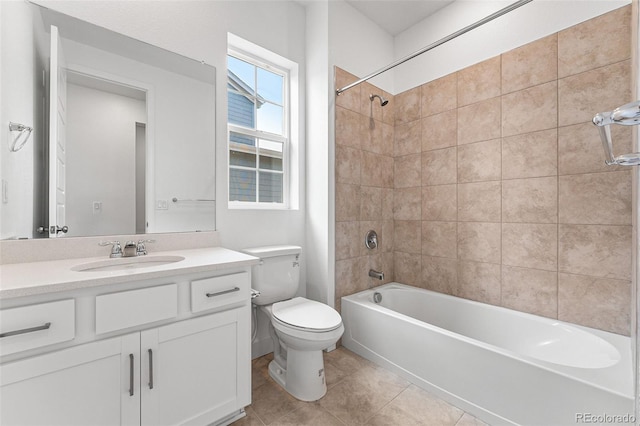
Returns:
point(183, 358)
point(82, 385)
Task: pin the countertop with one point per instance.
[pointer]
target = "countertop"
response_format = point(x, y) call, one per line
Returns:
point(33, 278)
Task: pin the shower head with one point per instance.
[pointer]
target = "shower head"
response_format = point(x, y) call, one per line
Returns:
point(383, 101)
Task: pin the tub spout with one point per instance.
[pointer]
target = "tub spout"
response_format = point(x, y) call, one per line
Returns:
point(377, 275)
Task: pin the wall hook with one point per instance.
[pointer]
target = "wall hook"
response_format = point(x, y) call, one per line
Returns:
point(21, 138)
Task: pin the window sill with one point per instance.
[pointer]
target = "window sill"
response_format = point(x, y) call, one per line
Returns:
point(255, 206)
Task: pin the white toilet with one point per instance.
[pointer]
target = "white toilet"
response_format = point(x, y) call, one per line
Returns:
point(301, 329)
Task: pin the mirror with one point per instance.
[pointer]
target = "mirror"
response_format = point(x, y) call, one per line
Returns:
point(123, 136)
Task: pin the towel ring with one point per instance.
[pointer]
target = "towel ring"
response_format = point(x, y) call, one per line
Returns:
point(21, 138)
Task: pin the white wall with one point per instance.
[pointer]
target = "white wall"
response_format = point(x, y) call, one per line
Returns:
point(528, 23)
point(101, 133)
point(358, 45)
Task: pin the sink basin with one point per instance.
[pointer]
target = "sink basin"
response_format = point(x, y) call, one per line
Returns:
point(126, 263)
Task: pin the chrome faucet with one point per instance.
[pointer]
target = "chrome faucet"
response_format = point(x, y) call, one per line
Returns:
point(116, 249)
point(141, 249)
point(377, 275)
point(130, 249)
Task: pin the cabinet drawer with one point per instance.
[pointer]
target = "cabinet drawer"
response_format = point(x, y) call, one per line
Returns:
point(29, 327)
point(117, 311)
point(215, 292)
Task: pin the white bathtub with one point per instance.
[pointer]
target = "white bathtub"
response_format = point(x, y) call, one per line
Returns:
point(503, 366)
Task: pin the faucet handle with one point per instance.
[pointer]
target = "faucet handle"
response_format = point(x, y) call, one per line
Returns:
point(141, 249)
point(116, 249)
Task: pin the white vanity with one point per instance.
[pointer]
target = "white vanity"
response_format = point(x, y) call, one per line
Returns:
point(102, 342)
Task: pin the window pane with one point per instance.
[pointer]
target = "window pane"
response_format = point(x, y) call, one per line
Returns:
point(271, 189)
point(244, 159)
point(241, 110)
point(271, 155)
point(270, 86)
point(243, 74)
point(270, 118)
point(242, 185)
point(241, 139)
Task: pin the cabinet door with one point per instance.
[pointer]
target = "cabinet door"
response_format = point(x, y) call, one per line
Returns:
point(83, 385)
point(196, 371)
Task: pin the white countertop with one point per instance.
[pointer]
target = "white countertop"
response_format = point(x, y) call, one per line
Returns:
point(27, 279)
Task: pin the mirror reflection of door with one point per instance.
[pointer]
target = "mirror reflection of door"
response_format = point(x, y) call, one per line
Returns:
point(57, 136)
point(106, 156)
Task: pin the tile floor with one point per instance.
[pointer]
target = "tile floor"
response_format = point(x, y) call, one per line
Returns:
point(359, 393)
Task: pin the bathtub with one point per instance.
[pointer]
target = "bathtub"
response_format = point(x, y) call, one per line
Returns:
point(503, 366)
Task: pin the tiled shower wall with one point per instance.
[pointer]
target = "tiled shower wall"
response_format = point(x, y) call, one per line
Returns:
point(500, 193)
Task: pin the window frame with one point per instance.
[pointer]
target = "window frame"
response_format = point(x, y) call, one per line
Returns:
point(285, 138)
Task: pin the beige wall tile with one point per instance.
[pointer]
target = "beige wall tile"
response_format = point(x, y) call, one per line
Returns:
point(596, 250)
point(350, 129)
point(407, 139)
point(478, 241)
point(479, 281)
point(533, 200)
point(479, 202)
point(532, 64)
point(480, 161)
point(351, 98)
point(348, 240)
point(408, 233)
point(580, 151)
point(530, 110)
point(530, 245)
point(348, 165)
point(439, 95)
point(596, 198)
point(370, 203)
point(350, 276)
point(479, 121)
point(440, 203)
point(595, 302)
point(530, 290)
point(603, 40)
point(440, 274)
point(408, 268)
point(530, 155)
point(407, 106)
point(583, 95)
point(440, 130)
point(347, 202)
point(407, 204)
point(439, 239)
point(407, 171)
point(387, 203)
point(479, 82)
point(385, 239)
point(377, 170)
point(439, 167)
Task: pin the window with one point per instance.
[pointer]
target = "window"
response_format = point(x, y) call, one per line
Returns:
point(258, 129)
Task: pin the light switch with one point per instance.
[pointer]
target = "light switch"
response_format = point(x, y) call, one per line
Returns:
point(97, 207)
point(162, 205)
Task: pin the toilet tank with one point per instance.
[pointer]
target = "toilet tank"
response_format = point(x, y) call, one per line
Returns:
point(277, 277)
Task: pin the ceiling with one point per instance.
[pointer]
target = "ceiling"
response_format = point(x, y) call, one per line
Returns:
point(395, 16)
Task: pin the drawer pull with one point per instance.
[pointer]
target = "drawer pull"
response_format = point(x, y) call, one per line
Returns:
point(220, 293)
point(150, 369)
point(131, 360)
point(26, 330)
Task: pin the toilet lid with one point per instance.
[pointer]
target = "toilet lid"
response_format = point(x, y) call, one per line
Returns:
point(305, 313)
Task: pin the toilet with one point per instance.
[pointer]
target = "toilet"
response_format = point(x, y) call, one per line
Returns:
point(300, 328)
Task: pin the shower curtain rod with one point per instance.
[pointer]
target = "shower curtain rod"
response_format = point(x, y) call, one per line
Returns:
point(450, 37)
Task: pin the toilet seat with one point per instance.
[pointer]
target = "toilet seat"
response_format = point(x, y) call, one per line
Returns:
point(304, 314)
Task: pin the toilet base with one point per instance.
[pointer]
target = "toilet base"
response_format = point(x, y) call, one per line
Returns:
point(303, 376)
